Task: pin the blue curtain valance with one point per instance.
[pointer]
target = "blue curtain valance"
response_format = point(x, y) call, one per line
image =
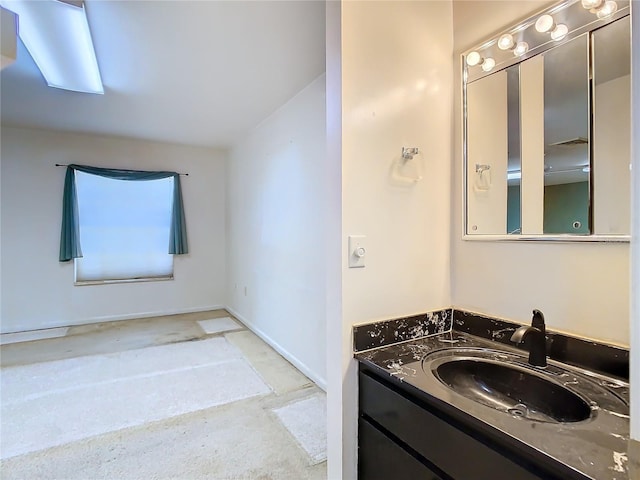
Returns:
point(70, 233)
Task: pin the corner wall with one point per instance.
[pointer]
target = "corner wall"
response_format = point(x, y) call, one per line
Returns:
point(276, 217)
point(38, 291)
point(391, 64)
point(582, 288)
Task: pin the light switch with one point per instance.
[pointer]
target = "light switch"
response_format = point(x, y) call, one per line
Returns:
point(357, 251)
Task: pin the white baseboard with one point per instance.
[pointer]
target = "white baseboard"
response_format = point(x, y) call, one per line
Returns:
point(161, 313)
point(128, 316)
point(320, 382)
point(19, 337)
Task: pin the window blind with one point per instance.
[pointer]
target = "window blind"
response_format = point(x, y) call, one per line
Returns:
point(124, 228)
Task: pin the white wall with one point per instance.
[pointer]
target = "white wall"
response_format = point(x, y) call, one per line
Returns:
point(275, 238)
point(338, 332)
point(635, 229)
point(38, 291)
point(612, 146)
point(532, 145)
point(395, 70)
point(583, 289)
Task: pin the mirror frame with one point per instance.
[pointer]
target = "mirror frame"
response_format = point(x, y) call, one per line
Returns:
point(505, 59)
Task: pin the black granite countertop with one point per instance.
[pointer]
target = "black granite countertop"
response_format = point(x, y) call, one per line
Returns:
point(595, 448)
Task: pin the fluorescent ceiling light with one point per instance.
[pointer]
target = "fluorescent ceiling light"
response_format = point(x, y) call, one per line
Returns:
point(57, 36)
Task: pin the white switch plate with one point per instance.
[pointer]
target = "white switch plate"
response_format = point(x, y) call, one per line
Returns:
point(356, 242)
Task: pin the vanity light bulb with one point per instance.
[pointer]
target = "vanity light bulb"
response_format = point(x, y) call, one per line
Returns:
point(488, 64)
point(610, 7)
point(545, 23)
point(521, 49)
point(473, 59)
point(559, 32)
point(591, 4)
point(505, 42)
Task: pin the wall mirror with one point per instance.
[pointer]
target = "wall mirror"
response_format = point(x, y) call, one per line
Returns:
point(547, 123)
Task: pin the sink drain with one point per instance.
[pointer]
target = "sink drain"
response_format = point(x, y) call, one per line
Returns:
point(518, 411)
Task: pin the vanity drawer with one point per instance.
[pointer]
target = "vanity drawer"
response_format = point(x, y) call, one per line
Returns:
point(457, 453)
point(380, 458)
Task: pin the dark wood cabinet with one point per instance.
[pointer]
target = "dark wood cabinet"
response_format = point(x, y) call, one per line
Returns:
point(380, 458)
point(402, 436)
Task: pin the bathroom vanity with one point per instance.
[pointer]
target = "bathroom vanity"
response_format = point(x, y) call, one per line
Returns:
point(458, 406)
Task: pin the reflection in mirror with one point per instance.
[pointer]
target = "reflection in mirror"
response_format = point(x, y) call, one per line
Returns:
point(566, 138)
point(514, 168)
point(612, 128)
point(487, 154)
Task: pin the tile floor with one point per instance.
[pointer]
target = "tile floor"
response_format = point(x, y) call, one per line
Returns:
point(242, 438)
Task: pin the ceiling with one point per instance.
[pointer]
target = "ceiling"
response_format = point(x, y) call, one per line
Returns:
point(188, 72)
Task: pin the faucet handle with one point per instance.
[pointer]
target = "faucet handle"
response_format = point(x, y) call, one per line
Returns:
point(520, 333)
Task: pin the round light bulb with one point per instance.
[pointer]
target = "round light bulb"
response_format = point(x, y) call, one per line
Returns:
point(545, 23)
point(609, 8)
point(521, 49)
point(473, 59)
point(488, 64)
point(505, 42)
point(591, 4)
point(559, 32)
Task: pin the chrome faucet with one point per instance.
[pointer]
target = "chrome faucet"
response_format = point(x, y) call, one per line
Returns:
point(538, 341)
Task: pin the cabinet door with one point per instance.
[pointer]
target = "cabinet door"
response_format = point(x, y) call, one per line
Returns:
point(439, 442)
point(379, 458)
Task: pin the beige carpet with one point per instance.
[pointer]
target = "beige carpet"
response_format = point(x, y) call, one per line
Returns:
point(306, 420)
point(218, 325)
point(53, 403)
point(243, 439)
point(279, 374)
point(239, 441)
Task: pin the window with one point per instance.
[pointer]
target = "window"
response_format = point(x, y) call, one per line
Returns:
point(124, 228)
